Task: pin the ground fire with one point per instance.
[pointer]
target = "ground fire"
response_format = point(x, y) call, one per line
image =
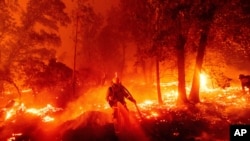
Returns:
point(124, 70)
point(219, 109)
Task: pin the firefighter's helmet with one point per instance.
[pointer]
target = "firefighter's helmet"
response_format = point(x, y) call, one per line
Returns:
point(116, 80)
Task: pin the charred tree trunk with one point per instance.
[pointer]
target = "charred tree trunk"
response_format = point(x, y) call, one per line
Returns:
point(206, 19)
point(182, 97)
point(75, 55)
point(194, 94)
point(158, 85)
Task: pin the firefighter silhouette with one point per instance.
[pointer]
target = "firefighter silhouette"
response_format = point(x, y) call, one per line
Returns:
point(116, 96)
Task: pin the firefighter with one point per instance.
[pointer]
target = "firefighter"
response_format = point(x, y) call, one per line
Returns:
point(116, 94)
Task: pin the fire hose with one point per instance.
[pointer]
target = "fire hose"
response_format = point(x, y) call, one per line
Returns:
point(138, 110)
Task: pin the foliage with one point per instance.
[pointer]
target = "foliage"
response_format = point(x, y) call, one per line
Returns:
point(139, 18)
point(231, 33)
point(29, 36)
point(88, 25)
point(46, 12)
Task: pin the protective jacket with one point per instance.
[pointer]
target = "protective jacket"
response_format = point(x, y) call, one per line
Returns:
point(118, 93)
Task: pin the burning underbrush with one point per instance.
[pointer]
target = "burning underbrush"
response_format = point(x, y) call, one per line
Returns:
point(90, 118)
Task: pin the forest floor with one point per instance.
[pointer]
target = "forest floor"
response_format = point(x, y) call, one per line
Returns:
point(206, 121)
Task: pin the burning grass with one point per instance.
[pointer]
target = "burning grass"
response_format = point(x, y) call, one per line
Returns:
point(89, 117)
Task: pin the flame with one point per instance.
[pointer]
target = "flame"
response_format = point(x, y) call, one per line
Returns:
point(42, 112)
point(12, 111)
point(48, 119)
point(203, 81)
point(26, 90)
point(9, 113)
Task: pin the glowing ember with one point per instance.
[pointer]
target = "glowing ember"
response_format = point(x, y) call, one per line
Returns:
point(9, 114)
point(43, 112)
point(154, 114)
point(17, 134)
point(48, 119)
point(34, 111)
point(11, 111)
point(146, 104)
point(26, 90)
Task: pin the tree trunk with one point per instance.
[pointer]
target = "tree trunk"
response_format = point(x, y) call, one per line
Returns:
point(182, 97)
point(194, 93)
point(158, 85)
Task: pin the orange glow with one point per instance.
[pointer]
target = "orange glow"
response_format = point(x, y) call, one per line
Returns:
point(148, 102)
point(26, 91)
point(154, 114)
point(48, 119)
point(42, 112)
point(12, 111)
point(203, 82)
point(9, 113)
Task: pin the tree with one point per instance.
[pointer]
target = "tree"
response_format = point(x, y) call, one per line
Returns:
point(225, 25)
point(87, 55)
point(142, 21)
point(232, 33)
point(136, 19)
point(205, 19)
point(181, 16)
point(7, 28)
point(156, 26)
point(89, 25)
point(113, 41)
point(33, 36)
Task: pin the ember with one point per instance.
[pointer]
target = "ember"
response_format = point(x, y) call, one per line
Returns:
point(47, 119)
point(42, 112)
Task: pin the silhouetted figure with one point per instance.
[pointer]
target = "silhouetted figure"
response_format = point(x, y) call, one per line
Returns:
point(116, 95)
point(245, 81)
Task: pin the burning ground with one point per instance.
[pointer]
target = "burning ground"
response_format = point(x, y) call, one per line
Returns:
point(89, 118)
